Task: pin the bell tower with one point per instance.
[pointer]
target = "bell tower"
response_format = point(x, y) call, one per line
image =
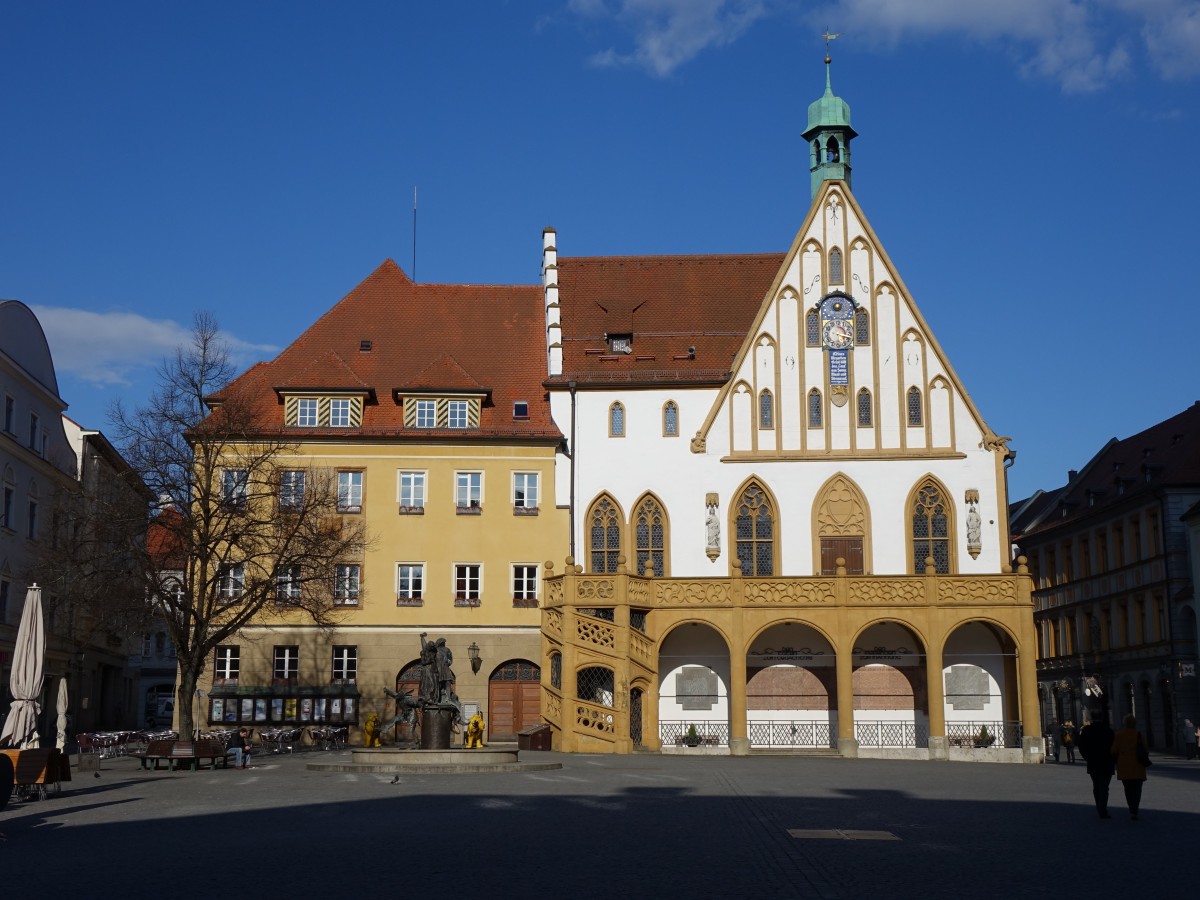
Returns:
point(829, 133)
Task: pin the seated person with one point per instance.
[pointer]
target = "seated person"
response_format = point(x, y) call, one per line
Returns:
point(239, 747)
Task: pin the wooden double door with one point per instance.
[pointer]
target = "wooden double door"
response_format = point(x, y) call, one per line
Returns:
point(514, 700)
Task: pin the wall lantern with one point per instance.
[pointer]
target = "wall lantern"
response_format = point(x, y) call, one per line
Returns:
point(473, 655)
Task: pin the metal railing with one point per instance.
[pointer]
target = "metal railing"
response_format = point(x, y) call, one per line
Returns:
point(796, 733)
point(710, 734)
point(973, 734)
point(893, 734)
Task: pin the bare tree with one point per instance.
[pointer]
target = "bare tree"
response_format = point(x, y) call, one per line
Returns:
point(240, 532)
point(86, 559)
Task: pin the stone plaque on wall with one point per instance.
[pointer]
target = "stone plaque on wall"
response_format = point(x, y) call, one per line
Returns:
point(696, 688)
point(967, 687)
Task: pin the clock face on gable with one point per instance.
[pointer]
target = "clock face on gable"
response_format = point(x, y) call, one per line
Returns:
point(837, 321)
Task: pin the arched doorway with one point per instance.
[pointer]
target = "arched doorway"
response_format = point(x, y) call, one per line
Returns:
point(890, 696)
point(514, 699)
point(979, 679)
point(693, 686)
point(408, 680)
point(791, 688)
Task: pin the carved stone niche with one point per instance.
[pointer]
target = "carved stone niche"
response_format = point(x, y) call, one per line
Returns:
point(974, 523)
point(712, 526)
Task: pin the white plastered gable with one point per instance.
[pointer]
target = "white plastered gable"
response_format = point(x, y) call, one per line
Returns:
point(903, 397)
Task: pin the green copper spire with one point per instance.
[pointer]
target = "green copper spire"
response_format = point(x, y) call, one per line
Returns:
point(828, 134)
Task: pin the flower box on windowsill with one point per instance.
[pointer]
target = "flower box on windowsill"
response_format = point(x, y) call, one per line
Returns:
point(409, 601)
point(468, 510)
point(345, 601)
point(525, 510)
point(412, 510)
point(466, 601)
point(525, 603)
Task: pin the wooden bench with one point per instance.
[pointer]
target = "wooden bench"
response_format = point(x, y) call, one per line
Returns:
point(36, 768)
point(189, 753)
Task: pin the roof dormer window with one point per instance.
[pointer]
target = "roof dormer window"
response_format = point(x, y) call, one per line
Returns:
point(620, 343)
point(520, 410)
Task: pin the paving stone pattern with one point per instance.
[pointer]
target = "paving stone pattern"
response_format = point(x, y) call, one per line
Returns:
point(606, 827)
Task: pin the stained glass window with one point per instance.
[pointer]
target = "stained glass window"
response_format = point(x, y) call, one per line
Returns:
point(754, 526)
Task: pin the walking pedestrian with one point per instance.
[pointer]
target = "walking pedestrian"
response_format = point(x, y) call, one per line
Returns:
point(1068, 740)
point(1095, 746)
point(1133, 758)
point(1190, 733)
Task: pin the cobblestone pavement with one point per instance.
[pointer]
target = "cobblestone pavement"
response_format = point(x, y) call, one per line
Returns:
point(607, 827)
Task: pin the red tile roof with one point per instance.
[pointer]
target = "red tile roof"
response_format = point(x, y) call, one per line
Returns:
point(669, 304)
point(423, 337)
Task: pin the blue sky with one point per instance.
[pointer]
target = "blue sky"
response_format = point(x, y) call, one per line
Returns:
point(1029, 165)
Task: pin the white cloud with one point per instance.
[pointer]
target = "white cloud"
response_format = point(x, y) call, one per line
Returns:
point(1083, 45)
point(109, 348)
point(668, 33)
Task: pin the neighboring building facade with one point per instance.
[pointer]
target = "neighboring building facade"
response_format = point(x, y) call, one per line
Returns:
point(788, 522)
point(46, 461)
point(36, 461)
point(1113, 556)
point(425, 402)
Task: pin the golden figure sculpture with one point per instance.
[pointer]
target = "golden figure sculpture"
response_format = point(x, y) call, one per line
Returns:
point(371, 732)
point(475, 732)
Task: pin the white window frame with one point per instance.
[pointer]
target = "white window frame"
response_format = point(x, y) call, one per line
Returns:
point(287, 662)
point(235, 487)
point(292, 483)
point(410, 583)
point(410, 486)
point(468, 490)
point(525, 575)
point(307, 412)
point(524, 484)
point(227, 662)
point(339, 412)
point(458, 413)
point(468, 584)
point(347, 584)
point(231, 582)
point(350, 490)
point(287, 585)
point(344, 669)
point(426, 416)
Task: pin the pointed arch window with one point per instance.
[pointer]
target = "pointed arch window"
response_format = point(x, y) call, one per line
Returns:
point(930, 529)
point(815, 409)
point(862, 328)
point(915, 407)
point(835, 267)
point(604, 535)
point(812, 329)
point(754, 529)
point(766, 410)
point(864, 408)
point(670, 419)
point(616, 420)
point(650, 536)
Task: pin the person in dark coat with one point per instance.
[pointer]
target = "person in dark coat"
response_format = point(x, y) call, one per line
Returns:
point(1095, 746)
point(1132, 755)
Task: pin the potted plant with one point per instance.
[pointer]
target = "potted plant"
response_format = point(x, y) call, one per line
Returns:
point(986, 738)
point(692, 738)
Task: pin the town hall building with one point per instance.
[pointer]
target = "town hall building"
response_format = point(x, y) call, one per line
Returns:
point(788, 519)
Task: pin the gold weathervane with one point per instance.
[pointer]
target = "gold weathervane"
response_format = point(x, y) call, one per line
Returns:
point(828, 37)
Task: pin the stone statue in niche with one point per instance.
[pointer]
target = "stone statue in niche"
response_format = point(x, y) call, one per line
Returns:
point(974, 524)
point(712, 527)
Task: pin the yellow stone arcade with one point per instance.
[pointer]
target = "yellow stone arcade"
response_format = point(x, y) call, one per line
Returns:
point(612, 644)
